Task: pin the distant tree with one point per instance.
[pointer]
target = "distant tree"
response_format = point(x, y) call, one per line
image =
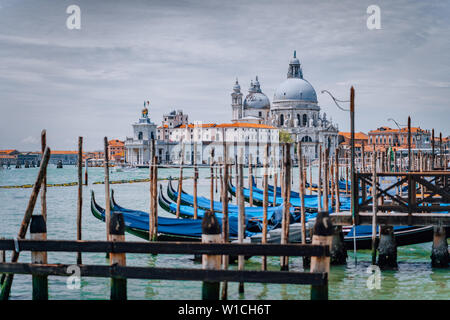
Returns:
point(285, 137)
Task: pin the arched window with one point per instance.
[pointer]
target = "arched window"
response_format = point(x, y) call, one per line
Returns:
point(140, 135)
point(281, 119)
point(299, 119)
point(306, 139)
point(152, 136)
point(305, 120)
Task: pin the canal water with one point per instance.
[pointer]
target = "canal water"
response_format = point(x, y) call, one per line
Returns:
point(414, 279)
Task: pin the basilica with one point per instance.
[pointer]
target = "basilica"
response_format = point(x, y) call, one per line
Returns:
point(294, 109)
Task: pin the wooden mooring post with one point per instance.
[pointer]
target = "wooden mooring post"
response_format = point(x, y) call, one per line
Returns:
point(322, 235)
point(80, 194)
point(439, 251)
point(195, 181)
point(44, 182)
point(210, 234)
point(265, 203)
point(387, 248)
point(250, 179)
point(38, 231)
point(211, 186)
point(107, 199)
point(302, 178)
point(286, 202)
point(374, 206)
point(241, 214)
point(225, 226)
point(180, 181)
point(117, 233)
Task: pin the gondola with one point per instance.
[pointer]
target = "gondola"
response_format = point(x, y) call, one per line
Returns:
point(169, 229)
point(311, 201)
point(205, 203)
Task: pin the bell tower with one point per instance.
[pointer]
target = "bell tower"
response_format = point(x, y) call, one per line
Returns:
point(236, 102)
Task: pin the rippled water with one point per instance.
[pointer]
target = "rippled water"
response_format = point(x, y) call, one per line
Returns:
point(414, 279)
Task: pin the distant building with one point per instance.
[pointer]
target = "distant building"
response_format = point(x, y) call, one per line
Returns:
point(66, 157)
point(385, 137)
point(8, 157)
point(138, 147)
point(361, 139)
point(116, 151)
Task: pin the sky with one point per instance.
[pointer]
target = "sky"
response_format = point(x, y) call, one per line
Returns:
point(92, 81)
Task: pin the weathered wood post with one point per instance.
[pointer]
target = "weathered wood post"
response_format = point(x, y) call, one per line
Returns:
point(306, 260)
point(80, 194)
point(86, 172)
point(107, 200)
point(195, 181)
point(338, 253)
point(319, 181)
point(38, 231)
point(211, 186)
point(432, 149)
point(210, 234)
point(310, 177)
point(180, 181)
point(155, 195)
point(241, 215)
point(387, 248)
point(322, 235)
point(439, 251)
point(225, 225)
point(275, 174)
point(250, 178)
point(6, 289)
point(409, 144)
point(151, 167)
point(265, 203)
point(336, 179)
point(441, 155)
point(117, 233)
point(374, 207)
point(286, 202)
point(44, 182)
point(326, 182)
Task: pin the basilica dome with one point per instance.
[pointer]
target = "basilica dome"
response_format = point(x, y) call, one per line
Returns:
point(295, 89)
point(256, 99)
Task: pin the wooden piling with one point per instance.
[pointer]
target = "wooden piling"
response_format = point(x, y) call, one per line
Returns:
point(250, 179)
point(336, 179)
point(374, 207)
point(180, 181)
point(265, 203)
point(86, 172)
point(6, 289)
point(195, 181)
point(154, 182)
point(117, 233)
point(210, 234)
point(107, 199)
point(225, 225)
point(80, 194)
point(326, 182)
point(38, 231)
point(302, 175)
point(387, 248)
point(241, 216)
point(275, 174)
point(211, 186)
point(322, 235)
point(286, 202)
point(319, 181)
point(44, 182)
point(439, 251)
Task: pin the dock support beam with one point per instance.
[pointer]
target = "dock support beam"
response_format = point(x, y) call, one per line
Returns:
point(211, 234)
point(439, 251)
point(338, 252)
point(38, 231)
point(387, 248)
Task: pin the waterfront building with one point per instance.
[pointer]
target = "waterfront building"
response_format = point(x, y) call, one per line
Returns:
point(66, 157)
point(116, 150)
point(294, 109)
point(385, 137)
point(8, 157)
point(138, 147)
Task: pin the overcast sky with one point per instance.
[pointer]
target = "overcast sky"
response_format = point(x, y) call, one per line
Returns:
point(187, 54)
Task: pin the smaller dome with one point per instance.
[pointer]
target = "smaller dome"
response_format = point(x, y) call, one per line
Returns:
point(236, 86)
point(256, 100)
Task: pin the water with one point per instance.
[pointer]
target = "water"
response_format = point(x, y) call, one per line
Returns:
point(414, 279)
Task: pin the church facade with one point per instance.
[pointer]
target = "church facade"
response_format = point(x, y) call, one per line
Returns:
point(294, 109)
